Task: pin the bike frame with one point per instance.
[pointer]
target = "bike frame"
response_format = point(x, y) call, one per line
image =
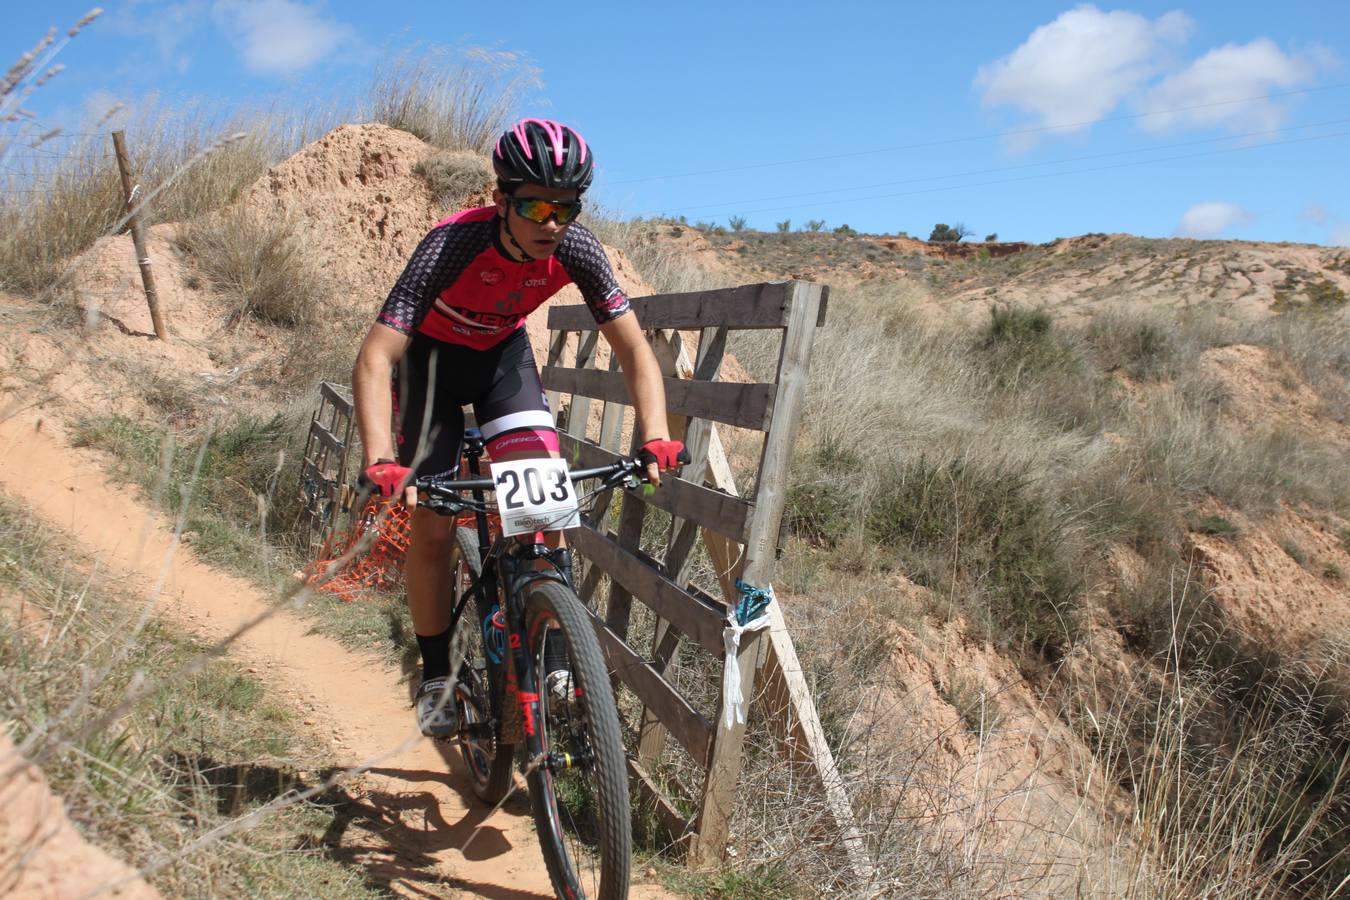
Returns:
point(510, 563)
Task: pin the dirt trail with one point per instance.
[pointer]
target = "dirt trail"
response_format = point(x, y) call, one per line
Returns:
point(418, 809)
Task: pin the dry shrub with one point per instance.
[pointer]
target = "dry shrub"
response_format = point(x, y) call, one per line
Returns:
point(456, 174)
point(263, 265)
point(46, 217)
point(456, 101)
point(1235, 759)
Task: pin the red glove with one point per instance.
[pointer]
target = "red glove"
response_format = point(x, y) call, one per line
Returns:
point(668, 455)
point(387, 476)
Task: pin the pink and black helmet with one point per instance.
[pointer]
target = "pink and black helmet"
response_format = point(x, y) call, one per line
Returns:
point(539, 151)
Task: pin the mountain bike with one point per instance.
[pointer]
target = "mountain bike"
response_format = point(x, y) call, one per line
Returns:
point(529, 680)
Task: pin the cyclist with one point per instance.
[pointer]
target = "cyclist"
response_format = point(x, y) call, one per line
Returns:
point(452, 333)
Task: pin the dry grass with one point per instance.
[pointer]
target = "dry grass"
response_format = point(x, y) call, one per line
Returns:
point(456, 101)
point(206, 748)
point(263, 266)
point(187, 163)
point(456, 174)
point(665, 271)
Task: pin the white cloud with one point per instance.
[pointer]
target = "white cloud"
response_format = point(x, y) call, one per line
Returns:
point(167, 24)
point(279, 37)
point(1209, 220)
point(1081, 66)
point(1228, 73)
point(1340, 236)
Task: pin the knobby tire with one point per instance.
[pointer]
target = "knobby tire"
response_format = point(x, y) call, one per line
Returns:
point(582, 813)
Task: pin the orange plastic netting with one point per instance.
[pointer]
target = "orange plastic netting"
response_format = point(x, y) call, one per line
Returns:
point(361, 564)
point(364, 566)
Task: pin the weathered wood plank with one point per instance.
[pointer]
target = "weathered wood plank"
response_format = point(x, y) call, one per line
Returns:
point(651, 733)
point(723, 513)
point(620, 603)
point(741, 405)
point(791, 714)
point(747, 306)
point(677, 828)
point(326, 437)
point(578, 412)
point(760, 559)
point(695, 618)
point(686, 725)
point(331, 393)
point(556, 347)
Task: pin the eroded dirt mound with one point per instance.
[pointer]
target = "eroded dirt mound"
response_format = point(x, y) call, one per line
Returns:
point(362, 210)
point(1282, 581)
point(986, 762)
point(1265, 393)
point(363, 207)
point(41, 853)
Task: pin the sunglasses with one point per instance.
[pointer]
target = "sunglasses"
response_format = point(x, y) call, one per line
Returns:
point(542, 210)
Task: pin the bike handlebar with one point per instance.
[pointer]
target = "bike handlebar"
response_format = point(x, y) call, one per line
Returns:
point(444, 495)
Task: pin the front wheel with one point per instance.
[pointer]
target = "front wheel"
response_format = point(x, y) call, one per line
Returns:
point(579, 791)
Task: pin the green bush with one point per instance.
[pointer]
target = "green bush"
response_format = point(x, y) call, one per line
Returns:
point(989, 531)
point(1215, 525)
point(1143, 347)
point(948, 234)
point(1021, 341)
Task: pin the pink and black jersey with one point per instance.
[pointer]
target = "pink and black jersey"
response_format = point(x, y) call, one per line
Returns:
point(461, 286)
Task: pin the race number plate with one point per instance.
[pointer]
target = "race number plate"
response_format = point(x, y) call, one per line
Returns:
point(535, 495)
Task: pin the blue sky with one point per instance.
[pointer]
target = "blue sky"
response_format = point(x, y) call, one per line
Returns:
point(1033, 120)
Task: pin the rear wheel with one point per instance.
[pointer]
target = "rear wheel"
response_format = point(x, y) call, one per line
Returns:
point(488, 761)
point(579, 792)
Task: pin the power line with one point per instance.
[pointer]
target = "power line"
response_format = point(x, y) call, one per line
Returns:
point(1040, 129)
point(1053, 162)
point(1043, 175)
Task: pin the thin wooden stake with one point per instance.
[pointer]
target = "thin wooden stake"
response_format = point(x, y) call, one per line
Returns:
point(138, 236)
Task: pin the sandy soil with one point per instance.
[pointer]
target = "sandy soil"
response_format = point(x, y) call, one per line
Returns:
point(415, 797)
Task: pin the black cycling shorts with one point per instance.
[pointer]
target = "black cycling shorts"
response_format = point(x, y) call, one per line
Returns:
point(434, 381)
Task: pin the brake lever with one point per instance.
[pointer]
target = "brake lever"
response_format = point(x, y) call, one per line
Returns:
point(441, 505)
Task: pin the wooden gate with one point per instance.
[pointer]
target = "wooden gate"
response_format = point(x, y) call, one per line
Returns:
point(324, 488)
point(740, 534)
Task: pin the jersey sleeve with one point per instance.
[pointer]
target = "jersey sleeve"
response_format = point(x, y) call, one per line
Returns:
point(584, 259)
point(443, 255)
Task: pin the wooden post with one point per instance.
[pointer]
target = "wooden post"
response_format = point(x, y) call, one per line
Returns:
point(714, 818)
point(138, 236)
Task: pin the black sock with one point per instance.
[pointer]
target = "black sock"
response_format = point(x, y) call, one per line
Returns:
point(435, 654)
